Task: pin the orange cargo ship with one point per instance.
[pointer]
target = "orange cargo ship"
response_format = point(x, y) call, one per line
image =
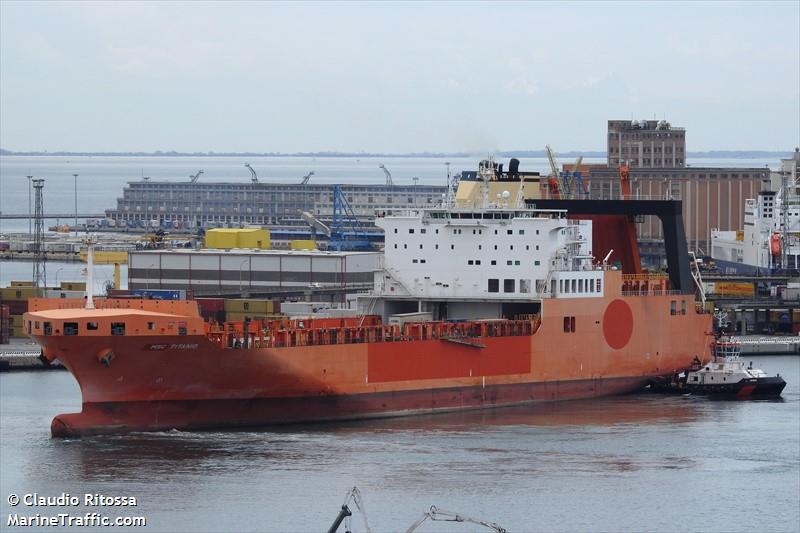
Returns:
point(490, 306)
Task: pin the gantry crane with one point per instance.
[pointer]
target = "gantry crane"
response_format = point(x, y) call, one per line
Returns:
point(194, 177)
point(253, 175)
point(387, 173)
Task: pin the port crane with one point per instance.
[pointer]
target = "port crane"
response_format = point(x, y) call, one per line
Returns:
point(344, 233)
point(557, 188)
point(387, 174)
point(253, 175)
point(194, 177)
point(307, 177)
point(577, 177)
point(343, 218)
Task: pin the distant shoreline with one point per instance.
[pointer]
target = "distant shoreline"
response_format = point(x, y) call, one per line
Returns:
point(733, 154)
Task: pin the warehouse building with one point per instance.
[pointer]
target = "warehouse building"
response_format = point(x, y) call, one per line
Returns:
point(246, 271)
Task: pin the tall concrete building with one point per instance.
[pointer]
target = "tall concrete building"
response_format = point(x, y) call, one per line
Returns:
point(646, 144)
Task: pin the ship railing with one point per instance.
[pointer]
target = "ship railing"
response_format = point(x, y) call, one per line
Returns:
point(652, 291)
point(257, 334)
point(644, 277)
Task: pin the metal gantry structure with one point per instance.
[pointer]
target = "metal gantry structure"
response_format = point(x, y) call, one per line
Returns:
point(387, 174)
point(39, 258)
point(253, 175)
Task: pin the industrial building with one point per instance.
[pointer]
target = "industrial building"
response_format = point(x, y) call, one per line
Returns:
point(195, 203)
point(713, 197)
point(646, 144)
point(248, 271)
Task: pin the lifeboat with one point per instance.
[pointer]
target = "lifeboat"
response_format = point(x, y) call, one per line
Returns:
point(775, 244)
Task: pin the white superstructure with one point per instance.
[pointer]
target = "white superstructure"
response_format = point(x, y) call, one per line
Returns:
point(488, 253)
point(772, 216)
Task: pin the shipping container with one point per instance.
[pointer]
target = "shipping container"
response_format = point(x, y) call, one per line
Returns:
point(18, 293)
point(303, 244)
point(73, 285)
point(243, 305)
point(228, 238)
point(240, 317)
point(211, 304)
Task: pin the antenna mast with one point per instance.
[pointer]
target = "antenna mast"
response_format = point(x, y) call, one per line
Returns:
point(39, 258)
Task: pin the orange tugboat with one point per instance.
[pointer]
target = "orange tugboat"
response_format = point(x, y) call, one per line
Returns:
point(473, 307)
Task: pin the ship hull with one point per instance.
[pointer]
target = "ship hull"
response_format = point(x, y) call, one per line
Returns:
point(123, 417)
point(143, 381)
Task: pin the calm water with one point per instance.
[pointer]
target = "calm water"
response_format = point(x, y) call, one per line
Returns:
point(101, 179)
point(634, 463)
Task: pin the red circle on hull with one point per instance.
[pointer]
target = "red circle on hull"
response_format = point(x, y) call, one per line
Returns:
point(618, 324)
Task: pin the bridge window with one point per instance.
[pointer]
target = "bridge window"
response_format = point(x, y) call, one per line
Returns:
point(494, 285)
point(524, 285)
point(91, 326)
point(508, 285)
point(683, 307)
point(493, 262)
point(48, 328)
point(118, 328)
point(598, 286)
point(70, 328)
point(673, 305)
point(569, 324)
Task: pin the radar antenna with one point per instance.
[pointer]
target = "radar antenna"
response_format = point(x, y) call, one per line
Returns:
point(306, 178)
point(253, 175)
point(387, 173)
point(194, 177)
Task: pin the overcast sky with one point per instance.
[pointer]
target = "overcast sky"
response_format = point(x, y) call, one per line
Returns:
point(394, 77)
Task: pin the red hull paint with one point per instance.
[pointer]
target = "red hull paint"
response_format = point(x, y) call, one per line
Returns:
point(121, 417)
point(153, 378)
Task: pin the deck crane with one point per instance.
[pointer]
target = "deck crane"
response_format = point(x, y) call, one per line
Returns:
point(387, 173)
point(307, 177)
point(345, 513)
point(436, 514)
point(253, 175)
point(194, 177)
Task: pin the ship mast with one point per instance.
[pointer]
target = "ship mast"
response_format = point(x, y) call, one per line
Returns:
point(90, 241)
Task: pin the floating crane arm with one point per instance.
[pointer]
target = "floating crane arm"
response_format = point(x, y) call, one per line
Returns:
point(387, 173)
point(194, 177)
point(307, 177)
point(345, 513)
point(253, 175)
point(436, 514)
